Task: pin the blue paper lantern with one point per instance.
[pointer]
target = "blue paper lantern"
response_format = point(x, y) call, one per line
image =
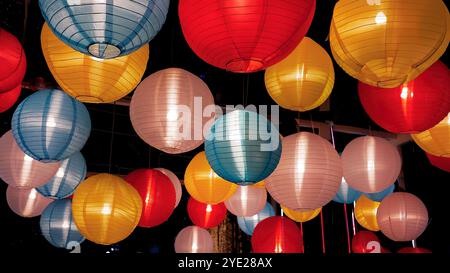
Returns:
point(248, 224)
point(71, 173)
point(57, 224)
point(379, 196)
point(243, 147)
point(105, 29)
point(50, 125)
point(346, 194)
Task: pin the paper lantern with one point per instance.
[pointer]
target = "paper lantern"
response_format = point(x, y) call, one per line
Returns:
point(26, 202)
point(412, 107)
point(382, 43)
point(50, 126)
point(379, 196)
point(402, 217)
point(435, 141)
point(308, 175)
point(157, 193)
point(361, 242)
point(440, 162)
point(9, 98)
point(366, 213)
point(193, 239)
point(414, 250)
point(206, 215)
point(277, 234)
point(243, 147)
point(162, 110)
point(346, 194)
point(247, 201)
point(14, 63)
point(248, 223)
point(203, 184)
point(176, 183)
point(303, 80)
point(301, 216)
point(370, 164)
point(105, 29)
point(69, 175)
point(57, 224)
point(106, 209)
point(18, 169)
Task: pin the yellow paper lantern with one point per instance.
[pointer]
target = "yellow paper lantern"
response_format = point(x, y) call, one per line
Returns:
point(106, 209)
point(89, 79)
point(303, 80)
point(435, 141)
point(301, 216)
point(203, 184)
point(390, 42)
point(366, 213)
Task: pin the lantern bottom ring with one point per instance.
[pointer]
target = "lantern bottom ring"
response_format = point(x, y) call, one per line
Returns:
point(89, 99)
point(245, 65)
point(104, 50)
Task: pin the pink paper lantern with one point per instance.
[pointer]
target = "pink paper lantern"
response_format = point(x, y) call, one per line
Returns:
point(176, 183)
point(309, 173)
point(193, 239)
point(247, 201)
point(26, 202)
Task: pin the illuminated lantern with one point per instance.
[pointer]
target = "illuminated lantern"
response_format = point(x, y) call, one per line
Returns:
point(382, 43)
point(105, 29)
point(414, 250)
point(106, 209)
point(69, 175)
point(203, 184)
point(371, 164)
point(176, 183)
point(412, 107)
point(14, 63)
point(248, 223)
point(26, 202)
point(402, 217)
point(206, 215)
point(440, 162)
point(303, 80)
point(308, 175)
point(346, 194)
point(49, 125)
point(57, 224)
point(361, 242)
point(379, 196)
point(193, 239)
point(366, 213)
point(301, 216)
point(247, 201)
point(277, 234)
point(243, 147)
point(162, 110)
point(18, 169)
point(435, 141)
point(9, 98)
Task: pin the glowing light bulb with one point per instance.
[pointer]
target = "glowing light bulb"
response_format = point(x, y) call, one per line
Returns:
point(60, 173)
point(106, 210)
point(404, 94)
point(51, 122)
point(380, 18)
point(172, 115)
point(208, 208)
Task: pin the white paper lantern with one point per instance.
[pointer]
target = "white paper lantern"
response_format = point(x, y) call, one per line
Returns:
point(247, 201)
point(193, 239)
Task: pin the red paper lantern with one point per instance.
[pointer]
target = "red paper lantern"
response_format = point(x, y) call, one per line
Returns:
point(412, 107)
point(277, 234)
point(244, 36)
point(7, 99)
point(416, 250)
point(12, 60)
point(206, 215)
point(157, 193)
point(440, 162)
point(361, 242)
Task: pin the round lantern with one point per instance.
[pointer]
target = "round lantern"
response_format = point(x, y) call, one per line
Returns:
point(346, 194)
point(366, 213)
point(206, 215)
point(18, 169)
point(414, 250)
point(371, 164)
point(105, 29)
point(440, 162)
point(402, 217)
point(163, 114)
point(277, 234)
point(69, 175)
point(90, 79)
point(9, 98)
point(176, 183)
point(303, 80)
point(57, 224)
point(50, 126)
point(412, 107)
point(379, 196)
point(301, 216)
point(308, 175)
point(243, 147)
point(382, 43)
point(361, 242)
point(203, 184)
point(106, 209)
point(244, 36)
point(157, 193)
point(248, 223)
point(12, 58)
point(247, 201)
point(435, 141)
point(193, 239)
point(26, 202)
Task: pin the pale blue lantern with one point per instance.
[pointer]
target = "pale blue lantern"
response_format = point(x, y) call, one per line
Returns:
point(379, 196)
point(243, 147)
point(346, 194)
point(105, 28)
point(50, 125)
point(248, 224)
point(69, 175)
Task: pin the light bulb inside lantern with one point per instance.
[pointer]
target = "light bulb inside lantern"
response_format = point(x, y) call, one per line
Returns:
point(33, 195)
point(404, 93)
point(208, 208)
point(172, 115)
point(60, 173)
point(380, 18)
point(106, 210)
point(51, 122)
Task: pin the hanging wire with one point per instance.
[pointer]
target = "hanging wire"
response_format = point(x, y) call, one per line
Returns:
point(347, 229)
point(112, 138)
point(332, 134)
point(312, 123)
point(323, 231)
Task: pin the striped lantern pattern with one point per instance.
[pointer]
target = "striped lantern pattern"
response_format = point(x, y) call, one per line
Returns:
point(9, 98)
point(379, 196)
point(13, 60)
point(301, 216)
point(346, 194)
point(248, 223)
point(176, 184)
point(366, 213)
point(26, 202)
point(193, 239)
point(247, 201)
point(436, 140)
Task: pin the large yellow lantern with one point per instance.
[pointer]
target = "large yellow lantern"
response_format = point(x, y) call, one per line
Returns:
point(90, 79)
point(303, 80)
point(301, 216)
point(435, 141)
point(366, 213)
point(389, 42)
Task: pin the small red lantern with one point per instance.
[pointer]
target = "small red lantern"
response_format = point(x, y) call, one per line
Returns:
point(12, 60)
point(7, 99)
point(365, 242)
point(157, 193)
point(415, 250)
point(440, 162)
point(412, 107)
point(206, 215)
